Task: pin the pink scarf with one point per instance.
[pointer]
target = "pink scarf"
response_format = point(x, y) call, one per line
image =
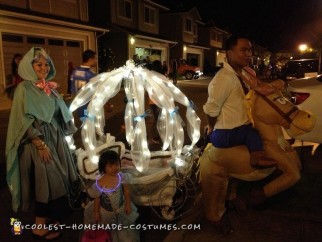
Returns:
point(46, 86)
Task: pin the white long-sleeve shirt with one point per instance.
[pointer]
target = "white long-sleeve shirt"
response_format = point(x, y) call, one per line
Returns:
point(226, 100)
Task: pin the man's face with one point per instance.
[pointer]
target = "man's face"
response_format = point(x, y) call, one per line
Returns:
point(240, 55)
point(93, 61)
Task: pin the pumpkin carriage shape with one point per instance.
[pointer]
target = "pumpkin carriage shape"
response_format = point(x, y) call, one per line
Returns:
point(163, 178)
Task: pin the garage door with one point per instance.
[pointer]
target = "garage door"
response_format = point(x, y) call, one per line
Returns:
point(60, 50)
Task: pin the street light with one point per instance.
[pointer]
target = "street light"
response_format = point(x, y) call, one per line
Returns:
point(303, 47)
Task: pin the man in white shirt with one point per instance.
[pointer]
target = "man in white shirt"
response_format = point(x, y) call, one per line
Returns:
point(228, 122)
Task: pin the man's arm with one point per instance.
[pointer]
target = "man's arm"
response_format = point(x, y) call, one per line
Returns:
point(211, 123)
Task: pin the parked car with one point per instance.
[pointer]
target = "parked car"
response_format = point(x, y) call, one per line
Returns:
point(188, 71)
point(306, 93)
point(299, 68)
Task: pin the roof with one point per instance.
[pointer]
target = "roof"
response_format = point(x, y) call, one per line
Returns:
point(23, 16)
point(181, 11)
point(153, 3)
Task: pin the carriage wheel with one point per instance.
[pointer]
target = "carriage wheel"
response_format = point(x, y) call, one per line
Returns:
point(182, 201)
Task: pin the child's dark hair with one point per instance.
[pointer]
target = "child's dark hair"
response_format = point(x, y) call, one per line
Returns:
point(108, 157)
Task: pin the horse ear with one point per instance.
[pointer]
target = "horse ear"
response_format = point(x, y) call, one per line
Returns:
point(279, 84)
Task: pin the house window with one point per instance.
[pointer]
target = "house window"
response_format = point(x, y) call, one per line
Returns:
point(195, 30)
point(12, 38)
point(72, 44)
point(125, 8)
point(35, 40)
point(149, 15)
point(217, 37)
point(188, 26)
point(56, 42)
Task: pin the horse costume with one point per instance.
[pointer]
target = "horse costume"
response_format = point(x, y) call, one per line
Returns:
point(217, 165)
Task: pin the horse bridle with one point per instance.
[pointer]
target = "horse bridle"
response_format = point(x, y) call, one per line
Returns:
point(285, 116)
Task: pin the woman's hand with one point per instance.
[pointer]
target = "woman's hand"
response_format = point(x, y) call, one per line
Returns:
point(45, 155)
point(43, 150)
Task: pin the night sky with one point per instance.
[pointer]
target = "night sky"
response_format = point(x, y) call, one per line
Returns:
point(274, 24)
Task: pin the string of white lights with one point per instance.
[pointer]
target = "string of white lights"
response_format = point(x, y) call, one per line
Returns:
point(136, 80)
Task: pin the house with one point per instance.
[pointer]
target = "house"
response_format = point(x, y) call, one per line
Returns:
point(59, 26)
point(284, 56)
point(214, 38)
point(182, 26)
point(134, 31)
point(260, 55)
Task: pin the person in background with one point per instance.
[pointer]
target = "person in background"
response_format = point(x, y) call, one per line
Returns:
point(14, 79)
point(112, 201)
point(147, 63)
point(156, 66)
point(40, 164)
point(165, 68)
point(69, 74)
point(82, 74)
point(262, 68)
point(136, 59)
point(174, 68)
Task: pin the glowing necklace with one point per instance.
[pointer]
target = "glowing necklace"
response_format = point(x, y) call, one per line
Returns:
point(105, 190)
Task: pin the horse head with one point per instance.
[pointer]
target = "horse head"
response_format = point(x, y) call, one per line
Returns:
point(275, 109)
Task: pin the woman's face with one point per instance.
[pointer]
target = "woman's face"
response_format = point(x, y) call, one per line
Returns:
point(18, 59)
point(41, 68)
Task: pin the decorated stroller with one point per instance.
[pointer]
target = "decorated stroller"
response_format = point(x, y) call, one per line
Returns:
point(167, 178)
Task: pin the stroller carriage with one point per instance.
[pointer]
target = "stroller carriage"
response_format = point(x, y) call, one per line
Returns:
point(165, 178)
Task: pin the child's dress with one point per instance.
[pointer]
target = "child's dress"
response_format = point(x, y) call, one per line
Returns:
point(113, 213)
